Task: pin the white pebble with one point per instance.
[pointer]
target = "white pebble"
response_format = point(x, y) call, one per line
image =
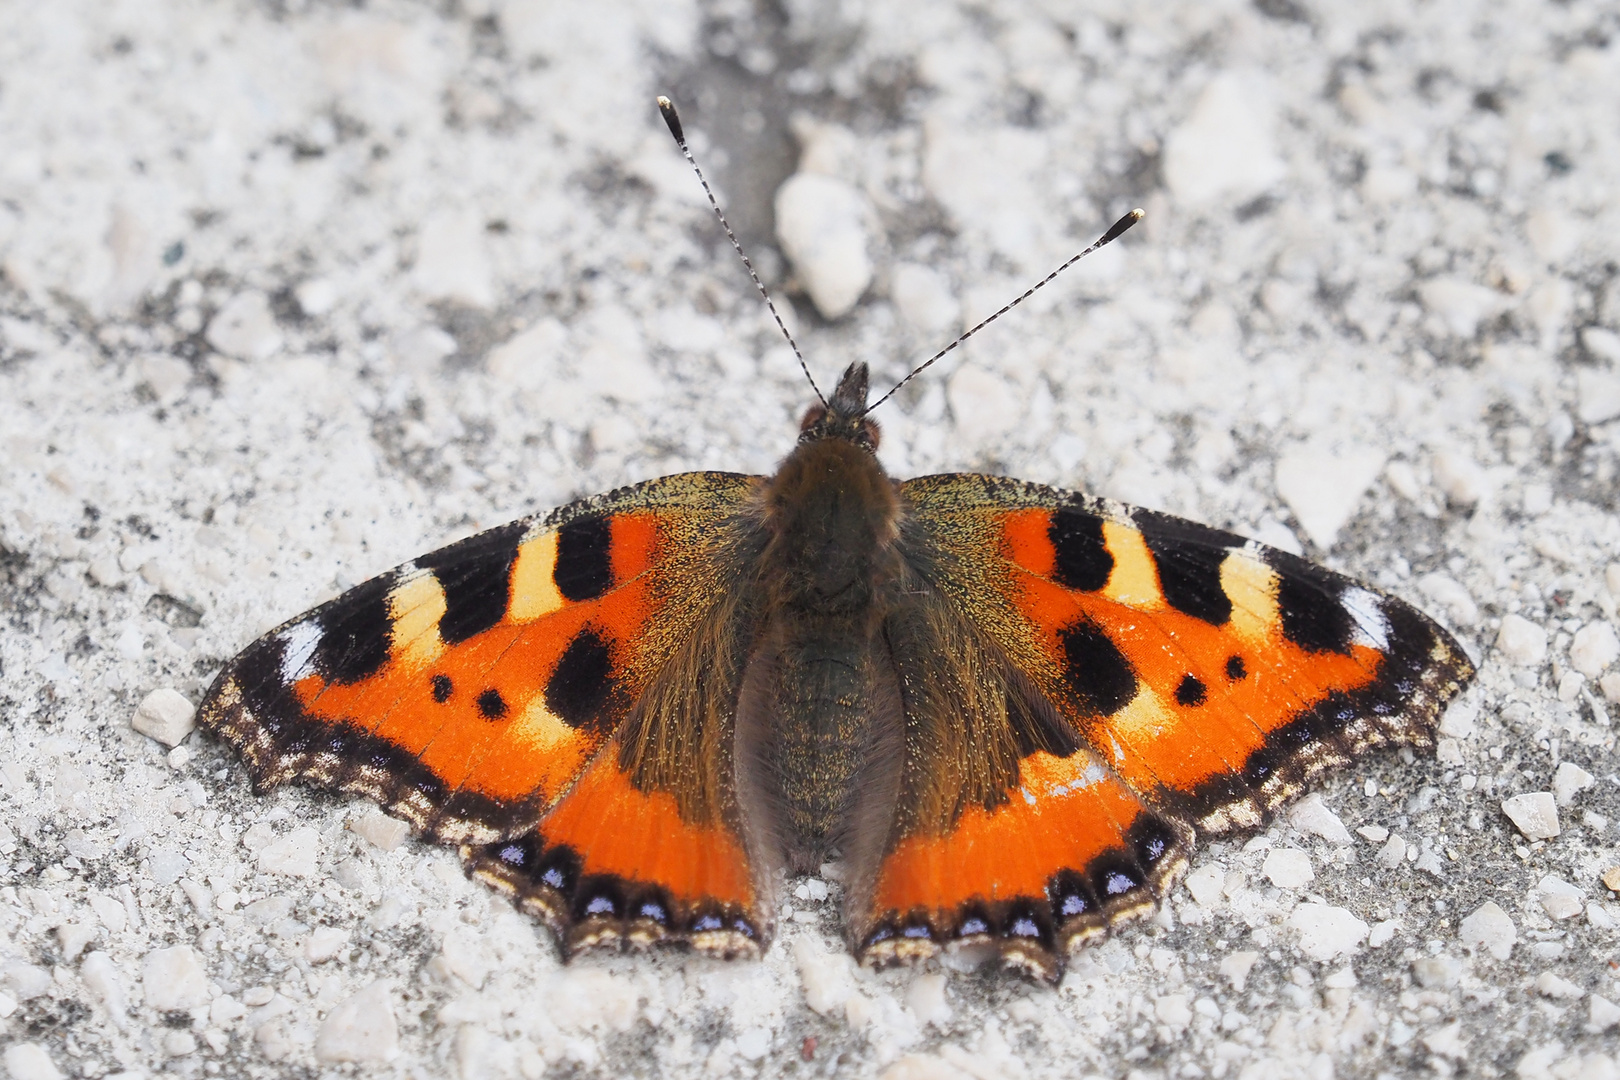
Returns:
point(1437, 972)
point(1207, 885)
point(8, 1005)
point(380, 830)
point(174, 979)
point(925, 997)
point(297, 854)
point(1312, 816)
point(245, 327)
point(1535, 814)
point(102, 979)
point(451, 260)
point(1326, 932)
point(316, 297)
point(1559, 899)
point(1597, 395)
point(1323, 486)
point(1392, 853)
point(1375, 833)
point(821, 222)
point(924, 298)
point(25, 981)
point(1602, 1014)
point(1173, 1011)
point(1568, 781)
point(1521, 642)
point(1595, 647)
point(360, 1029)
point(1459, 477)
point(1460, 305)
point(1557, 987)
point(754, 1043)
point(1288, 868)
point(1224, 148)
point(29, 1061)
point(164, 715)
point(1449, 594)
point(825, 976)
point(1458, 722)
point(1235, 968)
point(1382, 933)
point(74, 937)
point(1489, 929)
point(325, 942)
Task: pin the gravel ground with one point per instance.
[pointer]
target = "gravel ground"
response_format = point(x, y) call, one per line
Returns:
point(291, 292)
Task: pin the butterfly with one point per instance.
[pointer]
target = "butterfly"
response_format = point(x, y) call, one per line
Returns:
point(1007, 710)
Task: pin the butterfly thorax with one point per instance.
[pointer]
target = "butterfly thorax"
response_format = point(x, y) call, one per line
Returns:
point(832, 516)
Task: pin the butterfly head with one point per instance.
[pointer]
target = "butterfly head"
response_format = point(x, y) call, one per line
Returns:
point(844, 414)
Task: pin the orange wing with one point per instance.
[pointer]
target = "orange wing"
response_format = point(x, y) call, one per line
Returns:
point(473, 693)
point(1208, 678)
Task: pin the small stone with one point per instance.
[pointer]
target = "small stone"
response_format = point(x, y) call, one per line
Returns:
point(1611, 879)
point(245, 327)
point(1288, 868)
point(1488, 929)
point(924, 298)
point(1568, 781)
point(8, 1005)
point(380, 830)
point(1437, 972)
point(1595, 647)
point(1559, 899)
point(1460, 305)
point(24, 981)
point(1173, 1011)
point(1377, 834)
point(754, 1043)
point(1392, 853)
point(1557, 987)
point(1235, 968)
point(325, 942)
point(1535, 814)
point(822, 223)
point(1447, 1041)
point(297, 854)
point(1323, 486)
point(1460, 478)
point(1224, 148)
point(1207, 884)
point(101, 978)
point(1610, 685)
point(164, 715)
point(1521, 642)
point(73, 937)
point(29, 1061)
point(1458, 723)
point(1326, 932)
point(1312, 816)
point(925, 997)
point(179, 1043)
point(360, 1029)
point(316, 297)
point(1450, 594)
point(1597, 395)
point(825, 976)
point(452, 262)
point(174, 979)
point(1601, 1014)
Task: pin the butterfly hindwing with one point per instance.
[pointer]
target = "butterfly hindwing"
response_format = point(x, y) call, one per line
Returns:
point(1203, 679)
point(477, 693)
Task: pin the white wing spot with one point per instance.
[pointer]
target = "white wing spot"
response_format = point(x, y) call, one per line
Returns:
point(298, 645)
point(1368, 610)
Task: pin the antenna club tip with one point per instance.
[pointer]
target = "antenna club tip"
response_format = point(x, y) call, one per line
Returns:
point(1135, 215)
point(1118, 228)
point(672, 118)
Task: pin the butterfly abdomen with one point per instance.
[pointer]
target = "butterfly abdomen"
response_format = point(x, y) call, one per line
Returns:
point(832, 516)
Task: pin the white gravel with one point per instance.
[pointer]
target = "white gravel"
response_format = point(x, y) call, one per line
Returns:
point(293, 292)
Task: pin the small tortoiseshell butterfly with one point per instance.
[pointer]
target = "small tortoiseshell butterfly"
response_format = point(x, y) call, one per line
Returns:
point(1007, 709)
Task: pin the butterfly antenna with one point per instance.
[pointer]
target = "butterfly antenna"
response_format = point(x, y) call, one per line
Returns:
point(672, 118)
point(1114, 233)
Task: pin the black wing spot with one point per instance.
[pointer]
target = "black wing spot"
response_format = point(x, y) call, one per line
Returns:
point(1097, 671)
point(1151, 840)
point(1236, 670)
point(442, 688)
point(357, 631)
point(584, 567)
point(491, 705)
point(1189, 558)
point(1082, 557)
point(1191, 691)
point(581, 686)
point(476, 576)
point(1313, 617)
